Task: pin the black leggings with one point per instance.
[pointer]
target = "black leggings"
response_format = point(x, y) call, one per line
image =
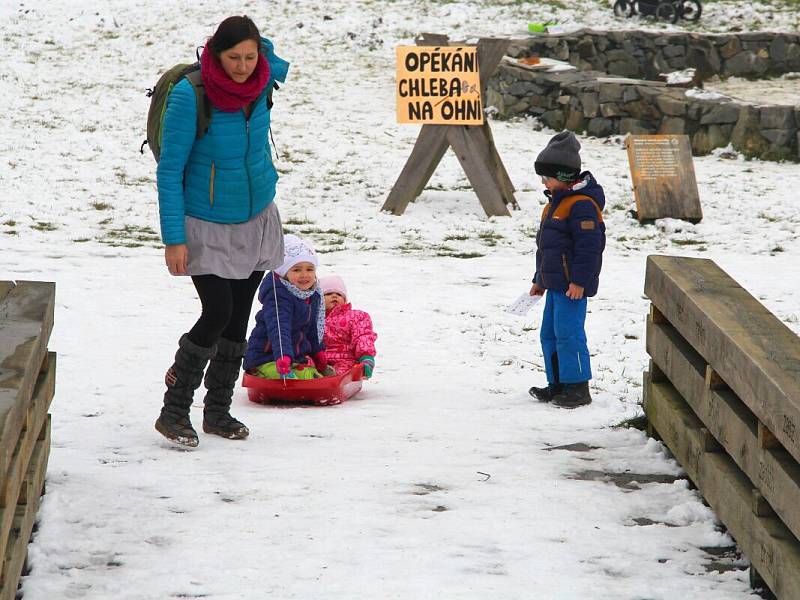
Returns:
point(226, 308)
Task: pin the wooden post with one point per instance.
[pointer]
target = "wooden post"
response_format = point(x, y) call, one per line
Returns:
point(766, 439)
point(713, 380)
point(473, 145)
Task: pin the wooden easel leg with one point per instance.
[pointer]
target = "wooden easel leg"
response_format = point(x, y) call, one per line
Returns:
point(469, 144)
point(428, 151)
point(507, 186)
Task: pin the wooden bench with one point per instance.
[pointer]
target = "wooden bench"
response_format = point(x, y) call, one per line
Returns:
point(723, 392)
point(27, 386)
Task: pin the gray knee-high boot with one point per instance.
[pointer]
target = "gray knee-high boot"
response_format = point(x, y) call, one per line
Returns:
point(182, 379)
point(221, 377)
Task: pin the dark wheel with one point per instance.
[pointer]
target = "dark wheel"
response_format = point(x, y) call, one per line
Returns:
point(666, 12)
point(623, 8)
point(691, 10)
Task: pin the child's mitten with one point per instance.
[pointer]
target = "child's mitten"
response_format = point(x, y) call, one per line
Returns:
point(320, 360)
point(284, 365)
point(369, 364)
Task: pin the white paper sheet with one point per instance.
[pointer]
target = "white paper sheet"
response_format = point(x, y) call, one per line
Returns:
point(523, 304)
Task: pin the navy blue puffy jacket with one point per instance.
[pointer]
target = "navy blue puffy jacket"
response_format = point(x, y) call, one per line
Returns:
point(298, 320)
point(571, 250)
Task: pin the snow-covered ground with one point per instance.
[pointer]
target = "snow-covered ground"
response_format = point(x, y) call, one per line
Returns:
point(777, 90)
point(439, 479)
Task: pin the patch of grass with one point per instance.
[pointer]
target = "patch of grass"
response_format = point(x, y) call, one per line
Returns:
point(313, 230)
point(296, 221)
point(131, 236)
point(409, 247)
point(101, 205)
point(490, 235)
point(459, 237)
point(80, 240)
point(767, 217)
point(636, 422)
point(44, 226)
point(687, 242)
point(11, 232)
point(105, 221)
point(452, 252)
point(10, 223)
point(778, 248)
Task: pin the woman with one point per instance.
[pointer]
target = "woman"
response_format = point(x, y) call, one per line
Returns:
point(218, 219)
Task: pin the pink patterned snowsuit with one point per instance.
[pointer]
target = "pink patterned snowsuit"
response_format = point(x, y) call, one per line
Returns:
point(348, 337)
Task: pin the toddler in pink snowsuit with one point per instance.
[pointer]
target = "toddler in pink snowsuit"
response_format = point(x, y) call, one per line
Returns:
point(349, 338)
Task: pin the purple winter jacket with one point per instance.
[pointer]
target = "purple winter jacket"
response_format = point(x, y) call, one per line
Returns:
point(298, 325)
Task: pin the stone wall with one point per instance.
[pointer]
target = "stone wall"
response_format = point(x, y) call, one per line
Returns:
point(645, 55)
point(591, 101)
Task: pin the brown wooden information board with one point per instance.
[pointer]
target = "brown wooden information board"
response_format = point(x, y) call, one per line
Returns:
point(438, 85)
point(664, 183)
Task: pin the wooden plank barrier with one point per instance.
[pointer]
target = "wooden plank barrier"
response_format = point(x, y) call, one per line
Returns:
point(723, 393)
point(27, 386)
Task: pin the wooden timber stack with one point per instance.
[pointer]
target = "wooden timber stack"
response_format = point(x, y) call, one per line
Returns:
point(723, 393)
point(27, 385)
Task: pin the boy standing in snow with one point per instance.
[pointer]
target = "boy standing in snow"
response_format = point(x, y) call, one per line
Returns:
point(569, 254)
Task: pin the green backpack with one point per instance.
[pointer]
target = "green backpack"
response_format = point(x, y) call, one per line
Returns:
point(158, 104)
point(159, 93)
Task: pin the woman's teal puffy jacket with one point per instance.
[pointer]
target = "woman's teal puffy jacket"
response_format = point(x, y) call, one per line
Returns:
point(227, 176)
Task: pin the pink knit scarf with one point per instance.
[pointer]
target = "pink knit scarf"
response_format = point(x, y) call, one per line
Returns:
point(225, 94)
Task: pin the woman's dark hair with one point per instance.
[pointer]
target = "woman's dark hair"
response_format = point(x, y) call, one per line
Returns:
point(232, 31)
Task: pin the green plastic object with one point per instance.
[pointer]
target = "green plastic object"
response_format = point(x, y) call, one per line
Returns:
point(534, 27)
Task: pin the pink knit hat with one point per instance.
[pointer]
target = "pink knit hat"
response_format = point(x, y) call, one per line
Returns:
point(333, 283)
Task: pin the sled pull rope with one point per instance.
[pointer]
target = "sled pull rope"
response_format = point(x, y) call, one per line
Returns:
point(278, 318)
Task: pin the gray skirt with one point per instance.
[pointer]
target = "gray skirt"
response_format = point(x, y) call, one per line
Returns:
point(234, 251)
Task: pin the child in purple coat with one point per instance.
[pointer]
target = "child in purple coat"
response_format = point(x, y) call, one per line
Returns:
point(287, 339)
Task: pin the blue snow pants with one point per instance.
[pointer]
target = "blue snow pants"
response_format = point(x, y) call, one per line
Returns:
point(563, 338)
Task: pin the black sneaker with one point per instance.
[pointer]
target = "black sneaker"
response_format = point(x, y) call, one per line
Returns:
point(573, 395)
point(545, 394)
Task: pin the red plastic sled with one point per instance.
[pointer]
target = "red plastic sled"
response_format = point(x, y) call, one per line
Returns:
point(324, 391)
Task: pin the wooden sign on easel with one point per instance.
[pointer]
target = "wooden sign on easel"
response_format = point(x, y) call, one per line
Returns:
point(449, 104)
point(664, 183)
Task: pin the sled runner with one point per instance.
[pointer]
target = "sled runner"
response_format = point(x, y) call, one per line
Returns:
point(322, 392)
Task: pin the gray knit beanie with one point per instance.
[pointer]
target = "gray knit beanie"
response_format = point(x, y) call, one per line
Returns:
point(560, 158)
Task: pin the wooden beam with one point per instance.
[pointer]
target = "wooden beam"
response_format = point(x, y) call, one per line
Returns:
point(428, 151)
point(656, 374)
point(12, 490)
point(753, 352)
point(490, 53)
point(5, 288)
point(770, 546)
point(713, 380)
point(24, 516)
point(496, 165)
point(28, 312)
point(656, 315)
point(766, 439)
point(710, 443)
point(760, 506)
point(473, 154)
point(733, 425)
